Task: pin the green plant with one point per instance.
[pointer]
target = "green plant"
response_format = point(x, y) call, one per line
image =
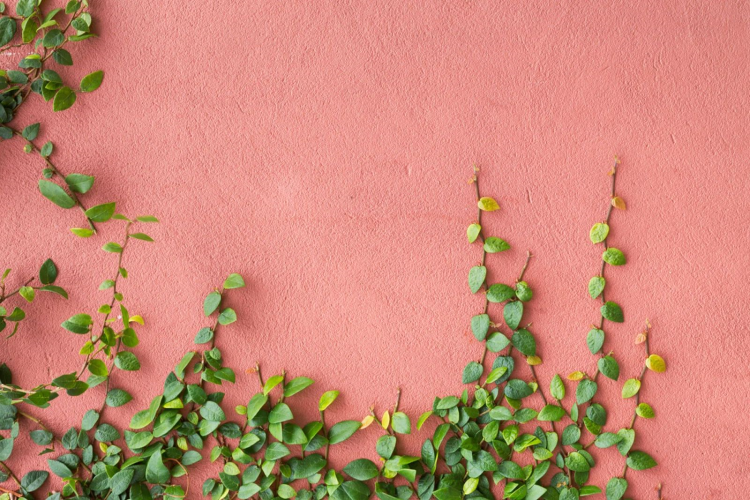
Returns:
point(261, 449)
point(42, 36)
point(267, 453)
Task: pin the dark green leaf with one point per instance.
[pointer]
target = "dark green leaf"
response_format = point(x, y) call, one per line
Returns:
point(639, 460)
point(609, 367)
point(512, 314)
point(101, 213)
point(48, 272)
point(64, 99)
point(611, 311)
point(362, 469)
point(56, 194)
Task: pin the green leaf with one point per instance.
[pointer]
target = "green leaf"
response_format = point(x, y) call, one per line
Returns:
point(384, 447)
point(512, 314)
point(256, 403)
point(156, 471)
point(472, 232)
point(296, 385)
point(127, 361)
point(494, 245)
point(204, 335)
point(571, 434)
point(64, 99)
point(117, 397)
point(639, 460)
point(46, 150)
point(98, 368)
point(472, 372)
point(227, 316)
point(234, 281)
point(343, 430)
point(34, 480)
point(56, 194)
point(326, 399)
point(145, 417)
point(628, 438)
point(607, 439)
point(577, 462)
point(211, 303)
point(112, 247)
point(92, 81)
point(6, 448)
point(609, 367)
point(644, 410)
point(53, 38)
point(212, 412)
point(487, 204)
point(101, 213)
point(280, 413)
point(106, 433)
point(596, 286)
point(78, 323)
point(599, 232)
point(497, 341)
point(351, 490)
point(585, 391)
point(81, 232)
point(595, 340)
point(631, 388)
point(524, 341)
point(276, 451)
point(517, 389)
point(613, 257)
point(616, 488)
point(79, 183)
point(401, 423)
point(557, 387)
point(500, 293)
point(59, 469)
point(27, 293)
point(551, 413)
point(120, 482)
point(142, 237)
point(63, 57)
point(90, 418)
point(362, 469)
point(48, 272)
point(496, 374)
point(30, 132)
point(523, 291)
point(7, 30)
point(477, 274)
point(612, 311)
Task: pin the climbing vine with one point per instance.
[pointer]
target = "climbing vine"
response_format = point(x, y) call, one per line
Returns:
point(493, 439)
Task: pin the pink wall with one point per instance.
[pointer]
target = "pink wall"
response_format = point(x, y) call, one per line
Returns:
point(323, 152)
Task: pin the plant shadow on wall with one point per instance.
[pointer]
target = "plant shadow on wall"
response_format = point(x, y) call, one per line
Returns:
point(488, 440)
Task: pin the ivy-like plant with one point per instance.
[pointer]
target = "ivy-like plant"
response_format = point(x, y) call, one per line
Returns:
point(490, 439)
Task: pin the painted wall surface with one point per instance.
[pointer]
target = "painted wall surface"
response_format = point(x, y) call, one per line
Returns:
point(322, 150)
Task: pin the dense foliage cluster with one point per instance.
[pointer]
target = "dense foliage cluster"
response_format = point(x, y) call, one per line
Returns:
point(489, 438)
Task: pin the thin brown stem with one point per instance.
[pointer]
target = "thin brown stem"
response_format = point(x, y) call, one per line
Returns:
point(646, 334)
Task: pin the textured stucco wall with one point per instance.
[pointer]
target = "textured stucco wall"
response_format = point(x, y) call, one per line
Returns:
point(322, 150)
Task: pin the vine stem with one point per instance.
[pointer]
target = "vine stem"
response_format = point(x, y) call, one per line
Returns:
point(111, 305)
point(4, 297)
point(646, 333)
point(613, 173)
point(54, 169)
point(10, 473)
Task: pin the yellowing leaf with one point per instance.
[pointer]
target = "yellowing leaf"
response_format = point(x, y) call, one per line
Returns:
point(488, 204)
point(618, 203)
point(656, 363)
point(136, 319)
point(386, 420)
point(576, 376)
point(534, 360)
point(367, 421)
